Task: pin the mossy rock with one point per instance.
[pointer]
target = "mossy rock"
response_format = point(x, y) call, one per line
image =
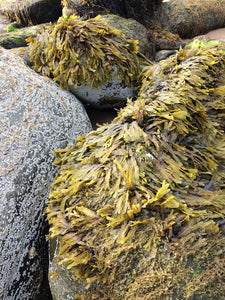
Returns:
point(206, 43)
point(138, 205)
point(17, 38)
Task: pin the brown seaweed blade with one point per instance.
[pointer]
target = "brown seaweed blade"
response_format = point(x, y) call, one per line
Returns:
point(144, 195)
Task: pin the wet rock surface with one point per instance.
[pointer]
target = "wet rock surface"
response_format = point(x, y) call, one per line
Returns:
point(37, 117)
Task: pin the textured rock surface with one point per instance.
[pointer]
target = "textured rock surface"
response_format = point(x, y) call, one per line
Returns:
point(37, 117)
point(133, 30)
point(189, 18)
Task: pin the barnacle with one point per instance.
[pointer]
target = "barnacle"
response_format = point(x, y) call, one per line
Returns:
point(138, 205)
point(74, 51)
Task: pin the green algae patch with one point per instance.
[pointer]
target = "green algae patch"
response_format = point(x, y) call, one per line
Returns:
point(11, 28)
point(77, 51)
point(138, 205)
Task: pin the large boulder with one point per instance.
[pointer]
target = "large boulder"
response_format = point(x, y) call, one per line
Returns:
point(31, 12)
point(37, 117)
point(189, 18)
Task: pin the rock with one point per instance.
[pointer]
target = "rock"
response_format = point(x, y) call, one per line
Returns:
point(17, 38)
point(133, 30)
point(63, 285)
point(166, 40)
point(163, 54)
point(140, 10)
point(37, 117)
point(189, 18)
point(31, 12)
point(92, 8)
point(112, 94)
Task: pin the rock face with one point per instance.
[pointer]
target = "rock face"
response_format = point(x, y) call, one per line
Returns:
point(113, 93)
point(37, 117)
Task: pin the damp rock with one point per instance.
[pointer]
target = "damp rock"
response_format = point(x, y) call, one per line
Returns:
point(112, 94)
point(37, 117)
point(31, 12)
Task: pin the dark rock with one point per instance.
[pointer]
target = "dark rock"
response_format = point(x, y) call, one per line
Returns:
point(31, 12)
point(163, 54)
point(140, 10)
point(37, 117)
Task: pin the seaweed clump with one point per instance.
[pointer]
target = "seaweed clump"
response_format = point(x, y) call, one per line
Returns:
point(75, 51)
point(138, 205)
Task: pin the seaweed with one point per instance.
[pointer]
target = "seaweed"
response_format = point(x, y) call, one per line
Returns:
point(76, 51)
point(138, 204)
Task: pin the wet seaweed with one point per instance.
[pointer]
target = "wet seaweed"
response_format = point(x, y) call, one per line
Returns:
point(138, 205)
point(74, 51)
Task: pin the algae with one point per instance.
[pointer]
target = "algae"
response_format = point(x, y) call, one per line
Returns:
point(77, 51)
point(138, 205)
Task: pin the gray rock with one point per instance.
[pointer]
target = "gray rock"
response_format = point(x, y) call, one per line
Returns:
point(113, 93)
point(36, 118)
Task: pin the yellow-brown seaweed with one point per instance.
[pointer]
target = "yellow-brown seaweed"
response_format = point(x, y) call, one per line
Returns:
point(74, 51)
point(138, 205)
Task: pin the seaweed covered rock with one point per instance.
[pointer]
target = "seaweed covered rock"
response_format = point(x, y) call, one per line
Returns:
point(37, 117)
point(138, 205)
point(189, 18)
point(31, 12)
point(91, 58)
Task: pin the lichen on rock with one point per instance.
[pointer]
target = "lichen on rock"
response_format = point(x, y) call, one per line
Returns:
point(138, 205)
point(74, 51)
